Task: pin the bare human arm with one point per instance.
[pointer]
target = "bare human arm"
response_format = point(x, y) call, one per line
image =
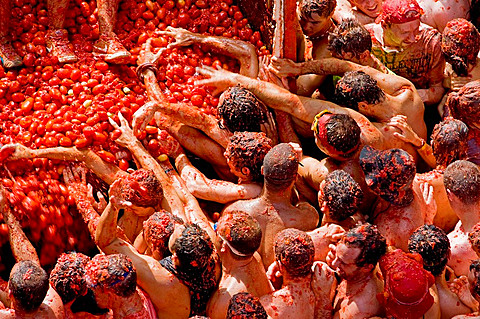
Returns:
point(197, 183)
point(408, 135)
point(22, 248)
point(181, 201)
point(281, 99)
point(390, 82)
point(179, 111)
point(433, 94)
point(213, 190)
point(243, 51)
point(324, 286)
point(193, 140)
point(105, 171)
point(323, 237)
point(151, 277)
point(75, 180)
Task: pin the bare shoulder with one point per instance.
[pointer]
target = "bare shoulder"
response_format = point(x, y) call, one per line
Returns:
point(169, 295)
point(308, 216)
point(242, 205)
point(7, 313)
point(52, 305)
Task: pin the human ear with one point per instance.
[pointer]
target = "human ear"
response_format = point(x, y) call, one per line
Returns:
point(365, 54)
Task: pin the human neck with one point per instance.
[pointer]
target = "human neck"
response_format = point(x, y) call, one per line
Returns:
point(276, 194)
point(290, 280)
point(469, 215)
point(359, 278)
point(387, 42)
point(440, 280)
point(229, 262)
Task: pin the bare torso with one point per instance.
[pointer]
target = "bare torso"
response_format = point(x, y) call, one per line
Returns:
point(294, 300)
point(357, 300)
point(248, 278)
point(51, 308)
point(274, 217)
point(438, 12)
point(344, 10)
point(462, 252)
point(397, 223)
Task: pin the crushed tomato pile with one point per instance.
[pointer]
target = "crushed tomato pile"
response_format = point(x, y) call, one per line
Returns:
point(47, 104)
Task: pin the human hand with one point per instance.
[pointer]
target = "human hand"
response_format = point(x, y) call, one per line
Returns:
point(284, 67)
point(323, 282)
point(263, 63)
point(147, 55)
point(265, 74)
point(331, 254)
point(14, 151)
point(143, 116)
point(219, 78)
point(406, 132)
point(461, 287)
point(298, 150)
point(431, 204)
point(269, 127)
point(76, 182)
point(126, 138)
point(182, 37)
point(116, 196)
point(334, 233)
point(273, 272)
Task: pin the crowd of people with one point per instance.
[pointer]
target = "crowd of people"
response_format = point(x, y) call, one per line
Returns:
point(382, 224)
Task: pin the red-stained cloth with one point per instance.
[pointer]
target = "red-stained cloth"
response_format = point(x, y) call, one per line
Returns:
point(399, 11)
point(407, 284)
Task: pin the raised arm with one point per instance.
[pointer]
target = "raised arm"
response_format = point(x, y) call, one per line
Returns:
point(272, 95)
point(75, 179)
point(22, 248)
point(151, 277)
point(106, 232)
point(390, 82)
point(433, 94)
point(105, 171)
point(213, 190)
point(179, 112)
point(408, 135)
point(281, 99)
point(243, 51)
point(128, 140)
point(193, 140)
point(195, 118)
